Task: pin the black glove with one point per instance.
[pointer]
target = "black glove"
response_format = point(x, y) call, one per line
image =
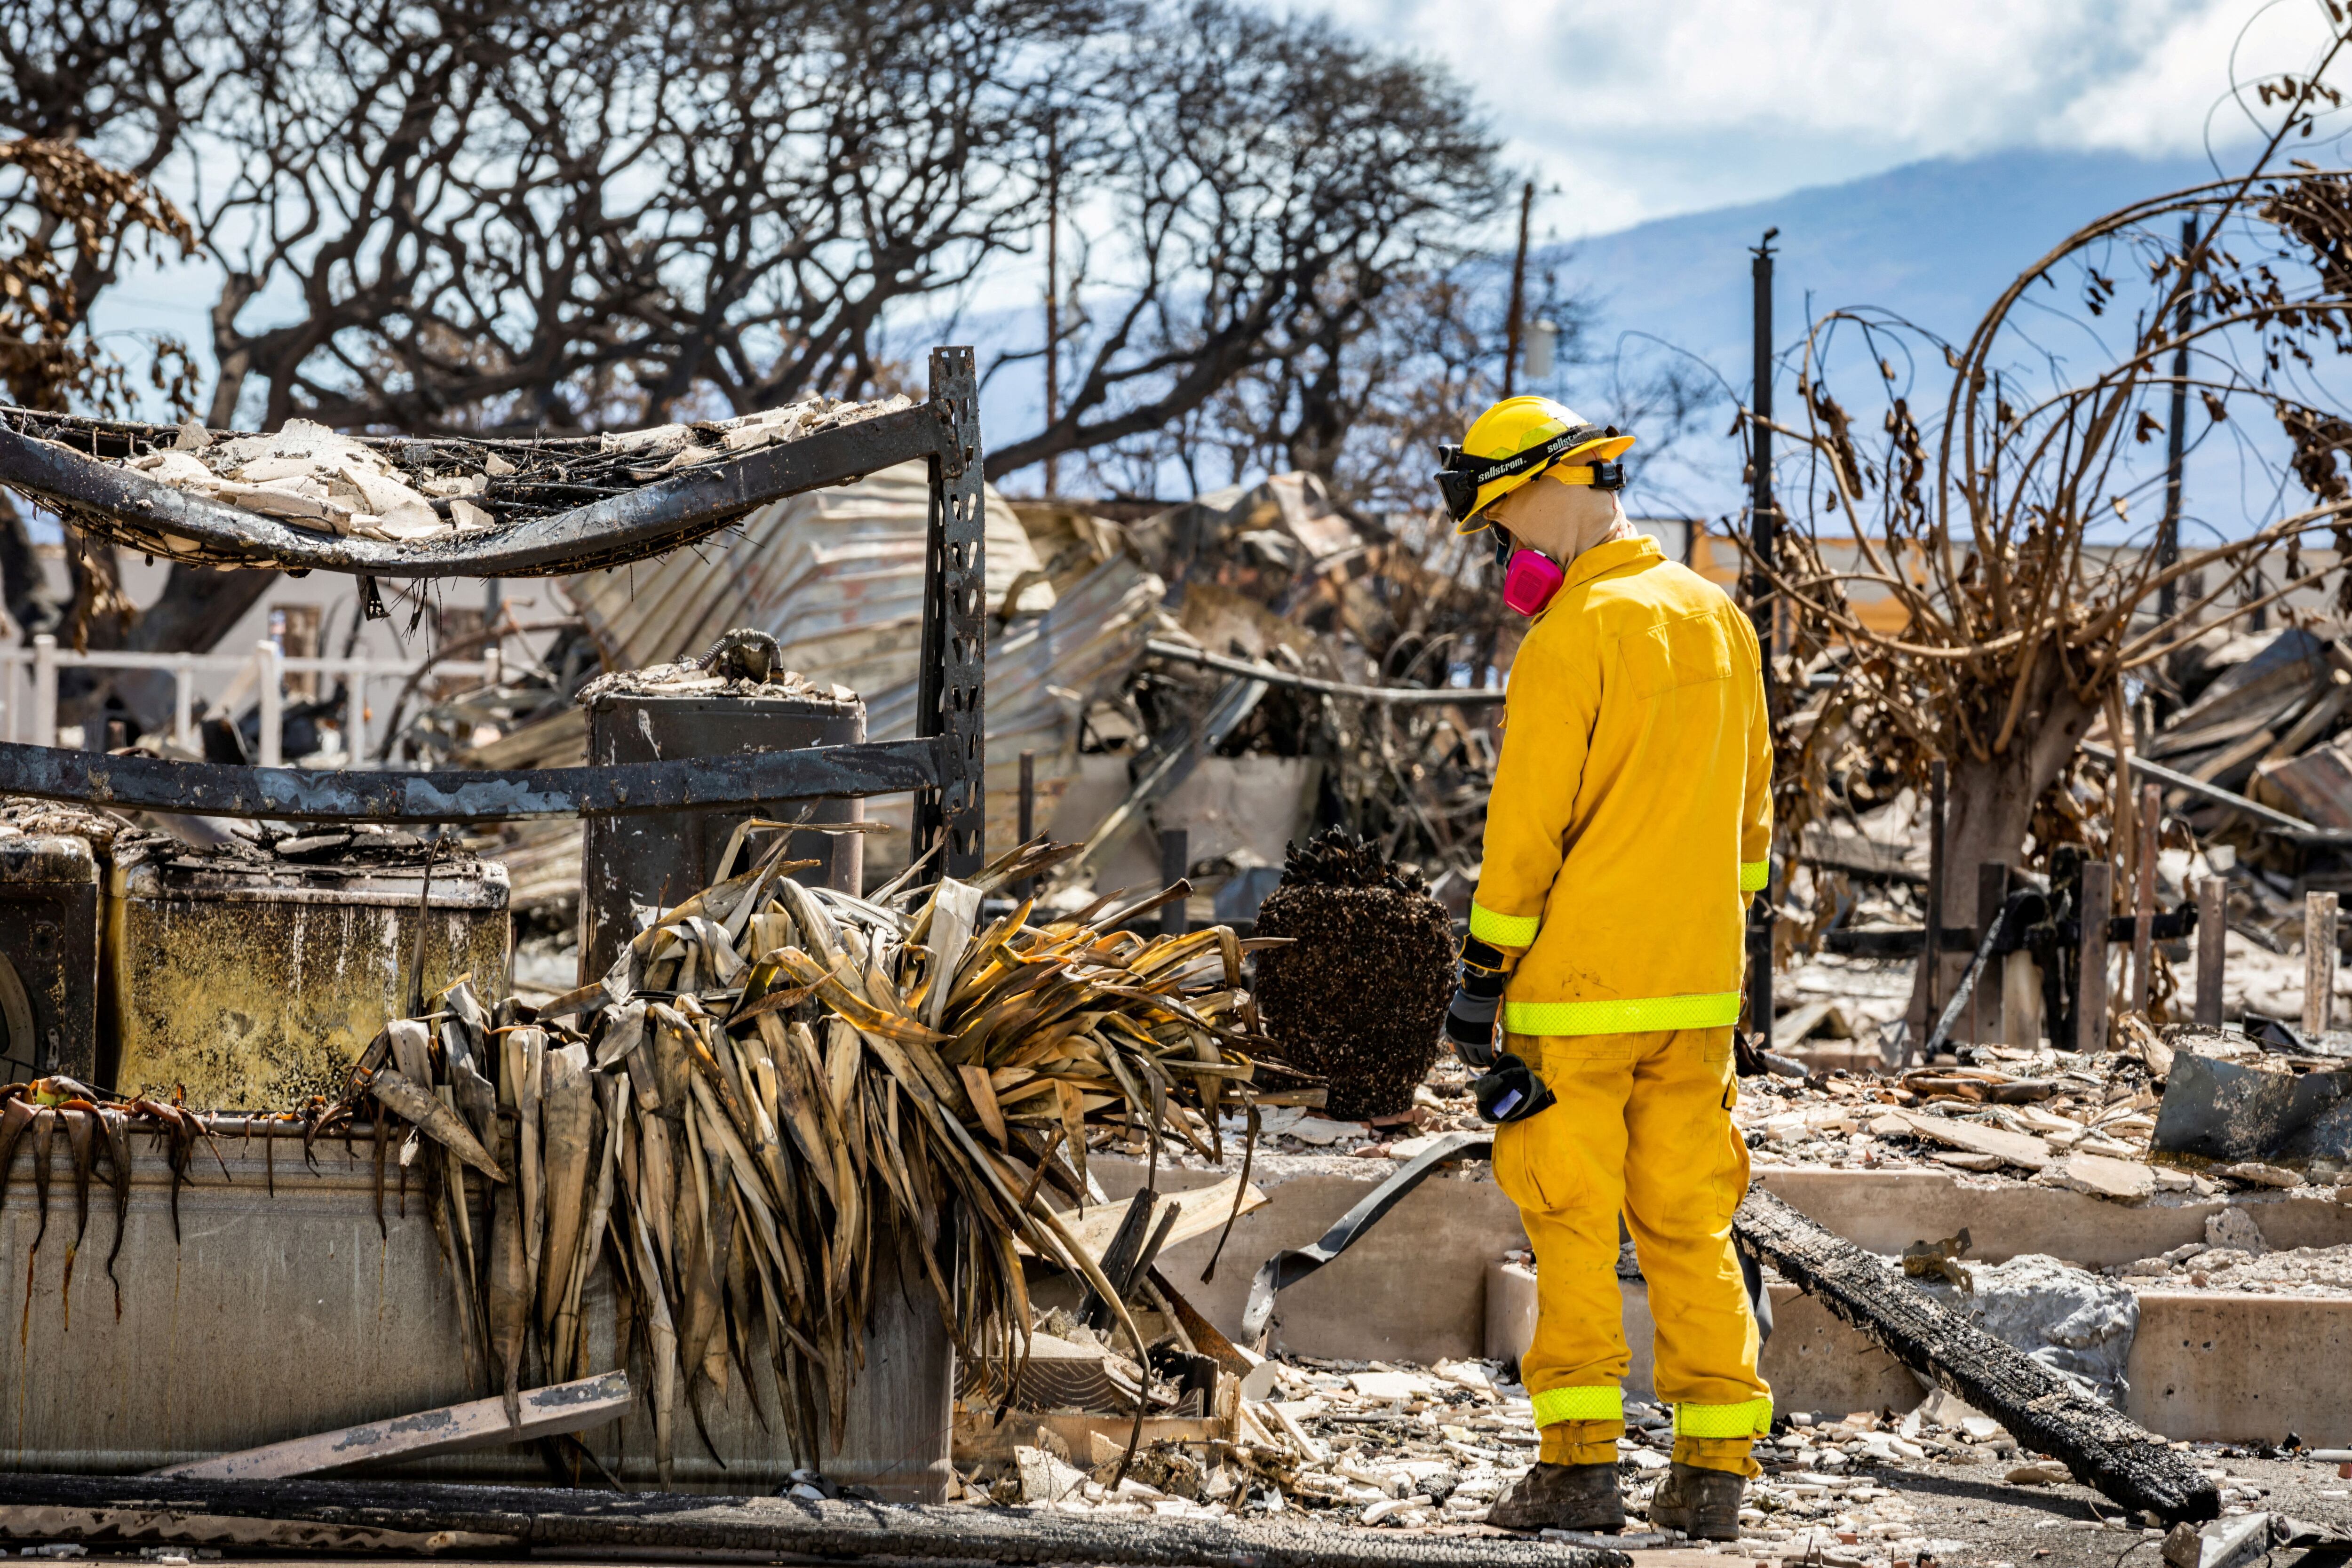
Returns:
point(1478, 998)
point(1510, 1092)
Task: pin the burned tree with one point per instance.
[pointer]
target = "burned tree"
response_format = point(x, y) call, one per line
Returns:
point(2005, 622)
point(1275, 182)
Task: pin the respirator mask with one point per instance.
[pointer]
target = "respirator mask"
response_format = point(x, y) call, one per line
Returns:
point(1530, 577)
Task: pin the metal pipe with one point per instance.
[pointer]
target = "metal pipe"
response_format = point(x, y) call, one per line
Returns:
point(1400, 696)
point(133, 782)
point(45, 690)
point(2228, 797)
point(2167, 533)
point(1761, 605)
point(269, 672)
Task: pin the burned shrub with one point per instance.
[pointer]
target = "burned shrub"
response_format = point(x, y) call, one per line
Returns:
point(1360, 997)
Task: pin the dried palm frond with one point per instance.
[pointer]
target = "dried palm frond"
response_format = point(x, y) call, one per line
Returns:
point(773, 1084)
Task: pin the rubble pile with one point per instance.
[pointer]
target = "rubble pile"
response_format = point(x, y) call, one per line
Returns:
point(1427, 1450)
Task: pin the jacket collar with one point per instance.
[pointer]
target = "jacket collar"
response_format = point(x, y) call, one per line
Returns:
point(1638, 551)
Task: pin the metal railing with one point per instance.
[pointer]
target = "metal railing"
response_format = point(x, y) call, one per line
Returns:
point(28, 687)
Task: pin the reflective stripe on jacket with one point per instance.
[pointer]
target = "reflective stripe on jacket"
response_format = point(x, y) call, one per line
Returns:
point(1631, 813)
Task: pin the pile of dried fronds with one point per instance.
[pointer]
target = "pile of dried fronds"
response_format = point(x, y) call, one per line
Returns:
point(777, 1083)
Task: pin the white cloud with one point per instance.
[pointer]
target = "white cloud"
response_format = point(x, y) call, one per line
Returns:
point(1679, 105)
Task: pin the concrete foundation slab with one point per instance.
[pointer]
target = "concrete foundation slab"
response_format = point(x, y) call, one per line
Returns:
point(1429, 1283)
point(1813, 1362)
point(2206, 1366)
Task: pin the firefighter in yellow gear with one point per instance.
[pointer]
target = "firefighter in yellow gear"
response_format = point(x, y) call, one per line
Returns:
point(1630, 823)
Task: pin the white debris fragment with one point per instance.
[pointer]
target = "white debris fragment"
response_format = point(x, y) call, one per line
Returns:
point(2234, 1227)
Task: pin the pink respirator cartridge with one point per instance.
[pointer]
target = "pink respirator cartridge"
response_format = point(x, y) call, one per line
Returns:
point(1531, 581)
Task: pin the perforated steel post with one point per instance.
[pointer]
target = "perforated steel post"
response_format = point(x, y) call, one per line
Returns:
point(951, 701)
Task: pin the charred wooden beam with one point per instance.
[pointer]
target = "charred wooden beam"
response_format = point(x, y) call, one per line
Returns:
point(312, 1516)
point(2042, 1410)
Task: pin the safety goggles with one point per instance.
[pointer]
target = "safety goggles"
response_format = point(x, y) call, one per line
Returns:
point(1460, 476)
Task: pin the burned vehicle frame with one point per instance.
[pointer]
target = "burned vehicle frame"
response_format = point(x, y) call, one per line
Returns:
point(943, 765)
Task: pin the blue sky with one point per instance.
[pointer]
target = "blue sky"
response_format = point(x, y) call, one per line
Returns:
point(1670, 106)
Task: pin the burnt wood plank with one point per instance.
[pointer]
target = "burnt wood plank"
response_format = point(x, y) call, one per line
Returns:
point(2043, 1411)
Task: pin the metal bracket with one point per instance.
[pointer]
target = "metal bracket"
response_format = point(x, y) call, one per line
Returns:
point(951, 701)
point(945, 764)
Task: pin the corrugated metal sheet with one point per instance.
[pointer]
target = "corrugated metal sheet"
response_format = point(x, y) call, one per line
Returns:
point(837, 577)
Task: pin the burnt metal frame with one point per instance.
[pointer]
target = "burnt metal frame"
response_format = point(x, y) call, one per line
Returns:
point(944, 763)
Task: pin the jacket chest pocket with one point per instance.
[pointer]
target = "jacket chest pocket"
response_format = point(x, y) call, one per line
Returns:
point(1686, 652)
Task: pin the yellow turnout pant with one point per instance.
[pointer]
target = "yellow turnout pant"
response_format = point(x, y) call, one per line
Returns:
point(1644, 1127)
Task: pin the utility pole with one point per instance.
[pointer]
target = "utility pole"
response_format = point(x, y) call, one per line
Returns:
point(2176, 437)
point(1053, 296)
point(1519, 292)
point(1762, 519)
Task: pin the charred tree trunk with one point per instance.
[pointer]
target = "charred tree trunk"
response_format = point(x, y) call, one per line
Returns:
point(1990, 811)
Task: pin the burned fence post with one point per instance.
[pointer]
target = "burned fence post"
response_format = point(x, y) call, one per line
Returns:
point(2318, 961)
point(1932, 954)
point(1992, 893)
point(1027, 886)
point(2152, 811)
point(2097, 903)
point(2212, 911)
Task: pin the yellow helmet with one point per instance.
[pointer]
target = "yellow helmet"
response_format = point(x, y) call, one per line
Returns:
point(1514, 441)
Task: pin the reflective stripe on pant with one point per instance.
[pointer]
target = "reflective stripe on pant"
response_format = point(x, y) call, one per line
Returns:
point(1644, 1127)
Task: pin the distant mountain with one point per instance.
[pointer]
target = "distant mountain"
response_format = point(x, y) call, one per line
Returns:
point(1934, 242)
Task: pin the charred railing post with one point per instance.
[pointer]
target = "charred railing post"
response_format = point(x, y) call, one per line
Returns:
point(2095, 906)
point(951, 703)
point(2212, 933)
point(1992, 893)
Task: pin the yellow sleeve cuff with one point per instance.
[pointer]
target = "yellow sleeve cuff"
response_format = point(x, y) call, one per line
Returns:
point(1754, 874)
point(1503, 930)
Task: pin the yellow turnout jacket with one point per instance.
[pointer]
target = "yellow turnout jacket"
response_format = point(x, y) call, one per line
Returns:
point(1632, 815)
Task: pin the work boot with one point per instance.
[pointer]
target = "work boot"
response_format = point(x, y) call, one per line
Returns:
point(1561, 1497)
point(1702, 1504)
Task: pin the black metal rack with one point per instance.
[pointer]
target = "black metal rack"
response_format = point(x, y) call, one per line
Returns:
point(944, 763)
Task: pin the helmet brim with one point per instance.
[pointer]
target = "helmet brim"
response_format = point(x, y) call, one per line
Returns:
point(1601, 449)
